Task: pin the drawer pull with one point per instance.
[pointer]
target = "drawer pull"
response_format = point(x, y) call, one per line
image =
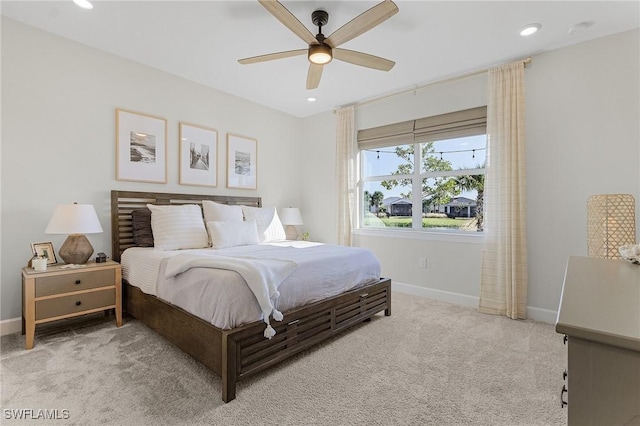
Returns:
point(363, 295)
point(77, 281)
point(78, 303)
point(294, 322)
point(562, 392)
point(564, 339)
point(564, 374)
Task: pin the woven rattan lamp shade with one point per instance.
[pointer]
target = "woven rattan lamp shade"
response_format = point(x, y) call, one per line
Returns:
point(611, 223)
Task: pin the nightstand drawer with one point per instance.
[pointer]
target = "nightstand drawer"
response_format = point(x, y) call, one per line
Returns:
point(56, 284)
point(58, 306)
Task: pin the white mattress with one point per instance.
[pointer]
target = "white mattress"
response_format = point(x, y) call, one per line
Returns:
point(223, 298)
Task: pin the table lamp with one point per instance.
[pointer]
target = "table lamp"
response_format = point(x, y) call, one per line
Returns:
point(291, 217)
point(611, 223)
point(76, 220)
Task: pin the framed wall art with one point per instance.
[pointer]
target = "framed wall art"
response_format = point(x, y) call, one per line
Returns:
point(141, 147)
point(44, 250)
point(198, 155)
point(242, 161)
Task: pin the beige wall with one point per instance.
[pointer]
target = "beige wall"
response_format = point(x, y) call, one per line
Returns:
point(583, 138)
point(58, 138)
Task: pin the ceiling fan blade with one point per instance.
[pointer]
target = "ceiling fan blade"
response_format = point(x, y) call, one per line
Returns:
point(314, 75)
point(362, 23)
point(363, 59)
point(283, 15)
point(273, 56)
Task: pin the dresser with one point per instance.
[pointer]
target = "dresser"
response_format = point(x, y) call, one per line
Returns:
point(61, 292)
point(599, 315)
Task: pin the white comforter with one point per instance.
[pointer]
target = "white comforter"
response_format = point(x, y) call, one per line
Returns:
point(262, 275)
point(223, 297)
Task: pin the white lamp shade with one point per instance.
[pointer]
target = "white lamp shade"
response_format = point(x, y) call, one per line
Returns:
point(74, 219)
point(291, 216)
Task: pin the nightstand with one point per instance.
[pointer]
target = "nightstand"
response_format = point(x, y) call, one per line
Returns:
point(60, 293)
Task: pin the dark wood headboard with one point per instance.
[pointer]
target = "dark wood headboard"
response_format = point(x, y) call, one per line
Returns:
point(124, 202)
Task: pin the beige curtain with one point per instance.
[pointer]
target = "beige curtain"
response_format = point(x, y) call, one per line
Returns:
point(503, 283)
point(345, 172)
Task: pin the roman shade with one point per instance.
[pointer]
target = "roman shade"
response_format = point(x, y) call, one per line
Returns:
point(389, 135)
point(469, 122)
point(456, 124)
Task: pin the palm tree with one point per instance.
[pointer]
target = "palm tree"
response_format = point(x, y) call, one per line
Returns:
point(470, 183)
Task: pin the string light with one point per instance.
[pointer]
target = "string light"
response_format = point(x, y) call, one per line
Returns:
point(473, 152)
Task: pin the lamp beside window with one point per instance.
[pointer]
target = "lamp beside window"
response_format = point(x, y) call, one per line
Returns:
point(76, 220)
point(291, 217)
point(611, 223)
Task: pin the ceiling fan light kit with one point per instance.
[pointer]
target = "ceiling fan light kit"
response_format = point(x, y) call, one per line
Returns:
point(323, 50)
point(320, 54)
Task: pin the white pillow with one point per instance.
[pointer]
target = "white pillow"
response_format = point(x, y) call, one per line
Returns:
point(231, 234)
point(269, 226)
point(216, 212)
point(178, 227)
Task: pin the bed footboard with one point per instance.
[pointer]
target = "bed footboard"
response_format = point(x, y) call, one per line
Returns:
point(247, 352)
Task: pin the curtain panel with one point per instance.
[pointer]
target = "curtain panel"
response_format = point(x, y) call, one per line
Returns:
point(503, 282)
point(345, 173)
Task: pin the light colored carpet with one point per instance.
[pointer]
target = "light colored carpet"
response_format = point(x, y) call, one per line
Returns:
point(430, 363)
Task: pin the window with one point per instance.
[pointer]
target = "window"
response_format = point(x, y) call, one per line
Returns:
point(426, 174)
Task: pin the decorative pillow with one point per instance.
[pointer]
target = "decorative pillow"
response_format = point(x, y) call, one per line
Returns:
point(141, 227)
point(269, 226)
point(178, 227)
point(231, 234)
point(216, 212)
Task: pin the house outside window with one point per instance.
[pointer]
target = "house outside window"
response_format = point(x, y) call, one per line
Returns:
point(441, 188)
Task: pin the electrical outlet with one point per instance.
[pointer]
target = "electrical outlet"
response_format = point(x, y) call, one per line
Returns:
point(423, 262)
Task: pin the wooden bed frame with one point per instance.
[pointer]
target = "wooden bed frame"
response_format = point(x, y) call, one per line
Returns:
point(242, 351)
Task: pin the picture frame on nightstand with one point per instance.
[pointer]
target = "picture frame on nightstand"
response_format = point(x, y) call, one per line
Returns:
point(45, 250)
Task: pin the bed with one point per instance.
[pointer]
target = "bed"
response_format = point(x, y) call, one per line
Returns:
point(242, 350)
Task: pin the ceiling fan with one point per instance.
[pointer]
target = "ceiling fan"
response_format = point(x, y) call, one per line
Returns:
point(323, 49)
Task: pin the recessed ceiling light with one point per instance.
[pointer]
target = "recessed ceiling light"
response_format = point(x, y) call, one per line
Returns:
point(83, 4)
point(311, 99)
point(530, 30)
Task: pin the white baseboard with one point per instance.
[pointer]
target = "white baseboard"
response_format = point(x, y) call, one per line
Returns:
point(10, 326)
point(536, 314)
point(542, 315)
point(445, 296)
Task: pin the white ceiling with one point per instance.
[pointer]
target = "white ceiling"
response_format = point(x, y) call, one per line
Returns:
point(429, 40)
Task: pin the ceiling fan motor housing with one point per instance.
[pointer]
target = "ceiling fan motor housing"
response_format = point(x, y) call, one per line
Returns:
point(319, 18)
